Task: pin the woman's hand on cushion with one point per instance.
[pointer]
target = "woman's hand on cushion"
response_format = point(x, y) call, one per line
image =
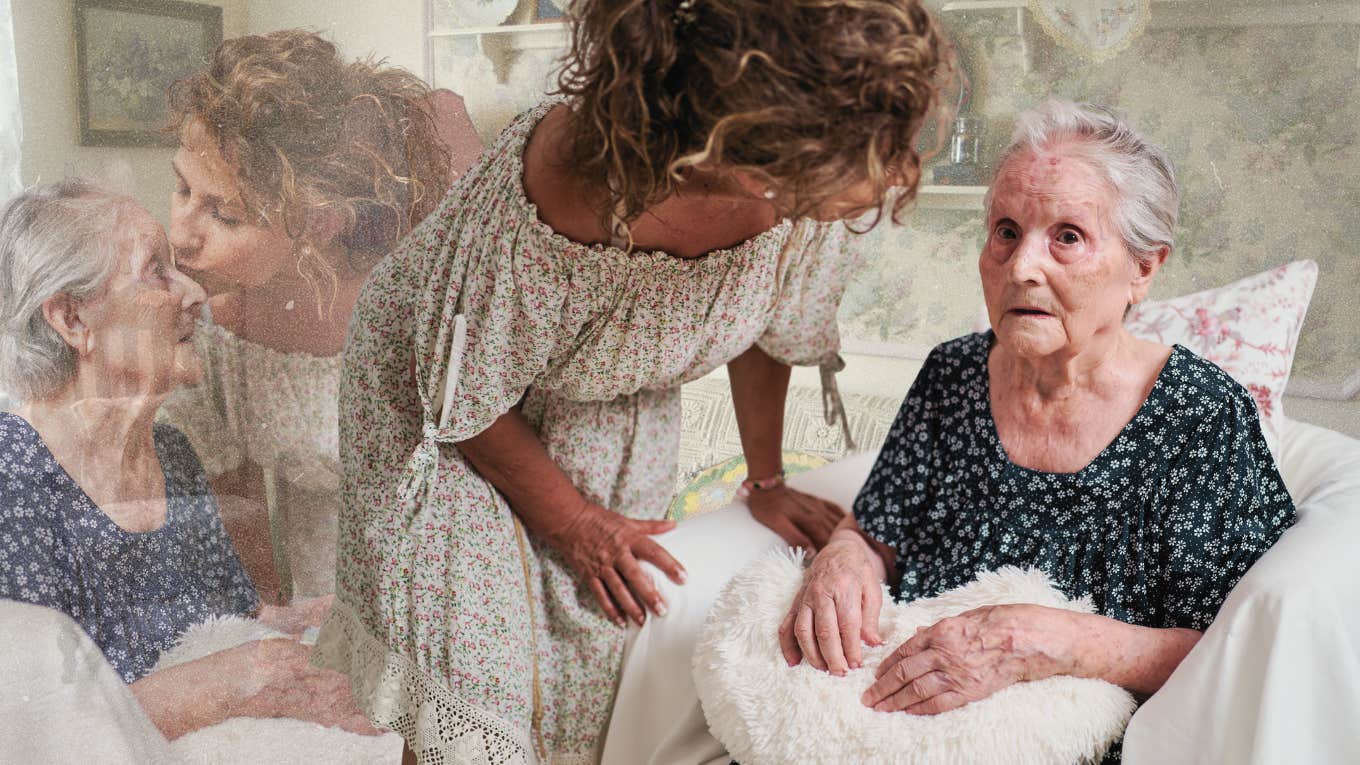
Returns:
point(277, 680)
point(800, 519)
point(837, 608)
point(969, 657)
point(604, 549)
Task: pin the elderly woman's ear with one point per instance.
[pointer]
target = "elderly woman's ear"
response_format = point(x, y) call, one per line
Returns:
point(63, 314)
point(1147, 265)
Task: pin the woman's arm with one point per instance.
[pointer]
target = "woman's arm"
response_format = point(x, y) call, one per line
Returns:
point(1139, 659)
point(971, 656)
point(603, 547)
point(245, 516)
point(760, 386)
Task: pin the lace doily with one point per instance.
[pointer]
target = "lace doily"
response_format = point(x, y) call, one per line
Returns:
point(439, 727)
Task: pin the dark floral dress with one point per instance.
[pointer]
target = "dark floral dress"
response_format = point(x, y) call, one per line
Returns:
point(1157, 529)
point(132, 592)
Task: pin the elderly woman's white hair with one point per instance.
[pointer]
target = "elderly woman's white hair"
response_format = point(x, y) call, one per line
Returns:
point(1139, 172)
point(56, 238)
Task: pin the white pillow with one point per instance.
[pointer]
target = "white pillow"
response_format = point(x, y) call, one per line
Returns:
point(766, 713)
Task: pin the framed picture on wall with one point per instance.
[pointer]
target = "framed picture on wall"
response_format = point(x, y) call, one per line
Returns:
point(127, 54)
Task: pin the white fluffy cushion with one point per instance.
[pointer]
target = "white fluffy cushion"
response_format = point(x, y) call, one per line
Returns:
point(766, 712)
point(248, 739)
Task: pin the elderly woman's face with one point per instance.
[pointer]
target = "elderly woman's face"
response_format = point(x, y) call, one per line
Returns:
point(140, 327)
point(217, 240)
point(1055, 271)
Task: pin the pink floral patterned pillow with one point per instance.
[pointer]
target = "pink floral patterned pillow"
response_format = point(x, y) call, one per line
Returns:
point(1250, 328)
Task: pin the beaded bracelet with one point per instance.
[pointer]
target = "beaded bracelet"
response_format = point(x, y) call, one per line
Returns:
point(760, 484)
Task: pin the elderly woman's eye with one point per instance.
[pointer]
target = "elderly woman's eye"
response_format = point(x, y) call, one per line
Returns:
point(1068, 236)
point(1006, 233)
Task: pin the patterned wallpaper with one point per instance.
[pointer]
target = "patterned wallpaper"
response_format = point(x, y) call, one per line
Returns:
point(1264, 124)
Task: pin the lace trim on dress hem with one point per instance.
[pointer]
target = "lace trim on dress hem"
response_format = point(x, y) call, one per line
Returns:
point(440, 727)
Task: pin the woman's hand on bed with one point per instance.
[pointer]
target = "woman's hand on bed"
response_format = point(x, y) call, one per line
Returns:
point(605, 550)
point(800, 519)
point(969, 657)
point(837, 608)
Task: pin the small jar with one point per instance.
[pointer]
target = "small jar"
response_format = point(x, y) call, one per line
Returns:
point(964, 141)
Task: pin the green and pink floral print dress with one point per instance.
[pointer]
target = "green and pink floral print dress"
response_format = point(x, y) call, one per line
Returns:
point(460, 630)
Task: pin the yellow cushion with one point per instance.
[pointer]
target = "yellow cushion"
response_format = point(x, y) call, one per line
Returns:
point(713, 487)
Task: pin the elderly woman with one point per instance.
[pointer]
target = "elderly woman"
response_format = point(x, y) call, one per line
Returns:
point(105, 515)
point(1128, 471)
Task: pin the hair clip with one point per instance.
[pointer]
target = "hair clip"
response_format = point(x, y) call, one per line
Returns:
point(685, 14)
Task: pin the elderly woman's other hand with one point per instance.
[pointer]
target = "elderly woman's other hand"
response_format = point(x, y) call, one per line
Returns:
point(837, 608)
point(969, 657)
point(279, 681)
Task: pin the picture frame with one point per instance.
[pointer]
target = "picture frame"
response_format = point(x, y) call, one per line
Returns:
point(128, 52)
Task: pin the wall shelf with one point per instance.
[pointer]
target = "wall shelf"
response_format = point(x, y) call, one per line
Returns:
point(543, 34)
point(1180, 14)
point(932, 197)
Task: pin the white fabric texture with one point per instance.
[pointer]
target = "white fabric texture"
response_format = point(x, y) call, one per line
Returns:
point(767, 713)
point(279, 740)
point(1276, 677)
point(62, 701)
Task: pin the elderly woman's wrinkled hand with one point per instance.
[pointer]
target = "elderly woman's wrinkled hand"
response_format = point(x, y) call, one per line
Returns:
point(836, 609)
point(281, 682)
point(800, 519)
point(605, 550)
point(969, 657)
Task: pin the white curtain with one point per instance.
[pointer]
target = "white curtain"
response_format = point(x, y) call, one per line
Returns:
point(10, 127)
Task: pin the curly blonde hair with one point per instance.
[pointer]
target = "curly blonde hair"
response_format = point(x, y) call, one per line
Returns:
point(309, 132)
point(811, 96)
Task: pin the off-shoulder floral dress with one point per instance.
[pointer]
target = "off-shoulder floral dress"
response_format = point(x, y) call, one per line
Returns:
point(459, 630)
